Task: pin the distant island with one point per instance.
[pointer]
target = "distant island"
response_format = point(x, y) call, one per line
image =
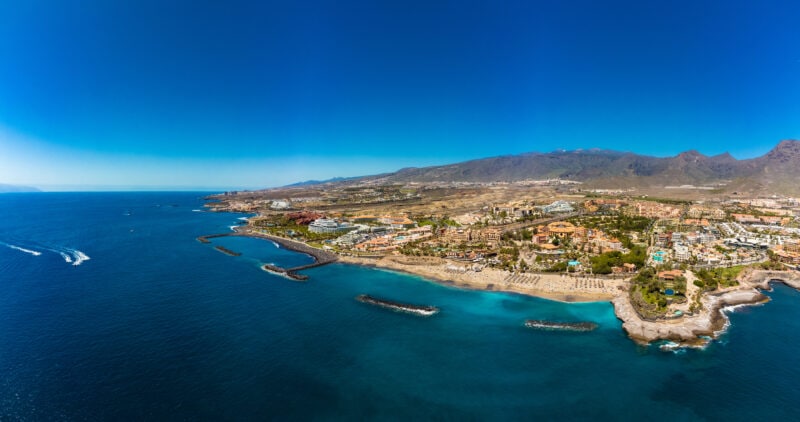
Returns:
point(671, 242)
point(6, 188)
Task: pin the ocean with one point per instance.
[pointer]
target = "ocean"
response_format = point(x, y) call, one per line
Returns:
point(152, 324)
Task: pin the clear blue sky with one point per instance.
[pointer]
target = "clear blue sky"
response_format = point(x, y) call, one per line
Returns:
point(235, 94)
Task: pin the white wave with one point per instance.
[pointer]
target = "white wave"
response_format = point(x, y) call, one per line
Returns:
point(242, 218)
point(681, 348)
point(233, 228)
point(66, 256)
point(20, 248)
point(79, 257)
point(734, 308)
point(197, 210)
point(725, 326)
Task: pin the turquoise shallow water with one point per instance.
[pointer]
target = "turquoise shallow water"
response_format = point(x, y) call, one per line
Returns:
point(156, 325)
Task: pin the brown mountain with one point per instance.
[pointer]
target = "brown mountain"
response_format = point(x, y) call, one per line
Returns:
point(775, 172)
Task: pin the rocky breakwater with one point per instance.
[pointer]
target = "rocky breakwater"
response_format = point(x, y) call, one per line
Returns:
point(421, 310)
point(560, 326)
point(694, 330)
point(320, 256)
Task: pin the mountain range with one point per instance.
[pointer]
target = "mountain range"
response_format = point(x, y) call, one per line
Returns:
point(778, 171)
point(6, 188)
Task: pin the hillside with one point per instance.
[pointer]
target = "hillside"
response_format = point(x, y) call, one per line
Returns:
point(776, 171)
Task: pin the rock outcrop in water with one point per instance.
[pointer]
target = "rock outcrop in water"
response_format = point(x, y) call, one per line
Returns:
point(560, 326)
point(423, 310)
point(689, 330)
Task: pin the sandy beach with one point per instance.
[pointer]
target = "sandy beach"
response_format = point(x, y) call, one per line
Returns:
point(557, 287)
point(689, 329)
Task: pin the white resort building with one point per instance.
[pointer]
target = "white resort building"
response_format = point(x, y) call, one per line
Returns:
point(327, 225)
point(557, 206)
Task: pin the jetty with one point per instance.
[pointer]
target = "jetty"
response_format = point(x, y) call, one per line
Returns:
point(320, 256)
point(204, 239)
point(423, 310)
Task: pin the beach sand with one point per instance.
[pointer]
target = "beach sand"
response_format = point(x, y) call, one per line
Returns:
point(557, 287)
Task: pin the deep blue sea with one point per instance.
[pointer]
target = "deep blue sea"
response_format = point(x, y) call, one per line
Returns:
point(155, 325)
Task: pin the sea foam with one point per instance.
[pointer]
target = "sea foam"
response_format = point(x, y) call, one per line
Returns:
point(20, 248)
point(80, 257)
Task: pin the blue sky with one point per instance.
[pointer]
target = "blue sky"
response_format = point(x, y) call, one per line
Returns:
point(238, 94)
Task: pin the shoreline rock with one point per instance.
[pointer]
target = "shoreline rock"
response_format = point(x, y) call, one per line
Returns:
point(712, 321)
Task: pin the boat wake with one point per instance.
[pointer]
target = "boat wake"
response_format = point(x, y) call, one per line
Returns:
point(71, 256)
point(21, 249)
point(80, 257)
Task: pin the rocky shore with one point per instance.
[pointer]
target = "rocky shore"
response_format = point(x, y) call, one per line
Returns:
point(694, 330)
point(698, 329)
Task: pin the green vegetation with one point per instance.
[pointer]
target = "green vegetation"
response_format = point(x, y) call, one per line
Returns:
point(285, 227)
point(435, 222)
point(648, 293)
point(601, 264)
point(560, 267)
point(772, 265)
point(717, 277)
point(520, 235)
point(665, 200)
point(617, 222)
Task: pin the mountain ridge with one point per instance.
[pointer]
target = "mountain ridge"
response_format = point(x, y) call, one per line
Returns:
point(7, 188)
point(778, 170)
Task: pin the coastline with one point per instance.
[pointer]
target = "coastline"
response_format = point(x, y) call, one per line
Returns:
point(692, 330)
point(548, 286)
point(712, 321)
point(320, 256)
